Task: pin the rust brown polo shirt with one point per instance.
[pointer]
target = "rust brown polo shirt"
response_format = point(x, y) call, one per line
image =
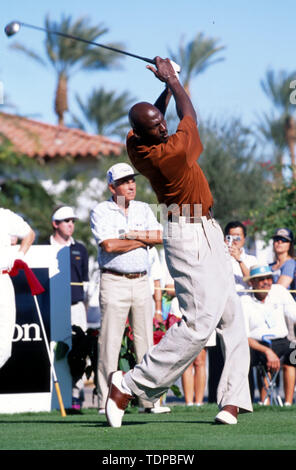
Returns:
point(172, 167)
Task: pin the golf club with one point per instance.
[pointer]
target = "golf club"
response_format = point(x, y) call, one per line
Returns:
point(14, 27)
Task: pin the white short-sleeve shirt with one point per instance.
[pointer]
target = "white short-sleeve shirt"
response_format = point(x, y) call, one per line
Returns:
point(268, 317)
point(108, 221)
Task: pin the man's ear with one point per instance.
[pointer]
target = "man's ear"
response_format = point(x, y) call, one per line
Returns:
point(55, 224)
point(111, 188)
point(136, 133)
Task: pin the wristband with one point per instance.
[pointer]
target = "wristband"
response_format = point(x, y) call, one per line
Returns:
point(158, 311)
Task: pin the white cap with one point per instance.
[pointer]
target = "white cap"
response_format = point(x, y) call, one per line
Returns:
point(118, 171)
point(63, 213)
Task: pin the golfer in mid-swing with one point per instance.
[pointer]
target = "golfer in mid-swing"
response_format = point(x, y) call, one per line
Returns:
point(197, 258)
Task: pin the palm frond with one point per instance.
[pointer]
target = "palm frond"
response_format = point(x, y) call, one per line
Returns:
point(276, 87)
point(196, 56)
point(106, 111)
point(68, 55)
point(29, 52)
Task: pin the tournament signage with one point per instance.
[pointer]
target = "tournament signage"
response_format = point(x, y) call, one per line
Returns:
point(26, 379)
point(28, 369)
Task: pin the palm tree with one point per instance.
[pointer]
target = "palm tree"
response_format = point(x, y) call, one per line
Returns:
point(195, 57)
point(106, 111)
point(68, 56)
point(277, 88)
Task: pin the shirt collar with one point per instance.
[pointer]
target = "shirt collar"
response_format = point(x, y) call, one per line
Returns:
point(55, 243)
point(114, 206)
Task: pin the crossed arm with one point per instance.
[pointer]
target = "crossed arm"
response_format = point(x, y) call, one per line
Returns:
point(133, 239)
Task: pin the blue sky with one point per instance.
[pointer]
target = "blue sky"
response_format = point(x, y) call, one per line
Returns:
point(257, 35)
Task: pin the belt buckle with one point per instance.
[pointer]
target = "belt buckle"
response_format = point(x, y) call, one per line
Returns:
point(130, 275)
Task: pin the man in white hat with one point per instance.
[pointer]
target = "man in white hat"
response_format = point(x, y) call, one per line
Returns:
point(124, 230)
point(12, 225)
point(63, 223)
point(265, 311)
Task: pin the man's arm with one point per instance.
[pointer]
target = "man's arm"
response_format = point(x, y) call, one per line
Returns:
point(117, 245)
point(163, 100)
point(165, 72)
point(272, 360)
point(27, 241)
point(236, 254)
point(148, 237)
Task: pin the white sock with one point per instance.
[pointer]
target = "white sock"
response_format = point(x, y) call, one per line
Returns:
point(125, 388)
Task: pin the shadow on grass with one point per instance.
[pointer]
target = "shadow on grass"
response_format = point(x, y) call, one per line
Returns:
point(100, 424)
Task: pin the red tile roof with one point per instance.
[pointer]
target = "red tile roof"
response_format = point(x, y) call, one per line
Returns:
point(37, 139)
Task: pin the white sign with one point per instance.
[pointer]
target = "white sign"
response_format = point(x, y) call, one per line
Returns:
point(26, 383)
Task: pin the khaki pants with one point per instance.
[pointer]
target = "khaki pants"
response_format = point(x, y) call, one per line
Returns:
point(7, 317)
point(200, 264)
point(119, 297)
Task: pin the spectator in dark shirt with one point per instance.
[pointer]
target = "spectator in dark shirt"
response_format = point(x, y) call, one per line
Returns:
point(63, 222)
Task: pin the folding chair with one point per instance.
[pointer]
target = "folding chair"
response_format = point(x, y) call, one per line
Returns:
point(270, 380)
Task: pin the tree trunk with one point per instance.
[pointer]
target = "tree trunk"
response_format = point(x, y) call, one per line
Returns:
point(290, 135)
point(61, 99)
point(278, 176)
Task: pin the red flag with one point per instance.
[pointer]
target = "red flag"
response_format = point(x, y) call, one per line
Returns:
point(35, 286)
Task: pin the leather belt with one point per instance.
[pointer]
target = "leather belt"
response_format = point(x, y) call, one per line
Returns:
point(188, 220)
point(128, 275)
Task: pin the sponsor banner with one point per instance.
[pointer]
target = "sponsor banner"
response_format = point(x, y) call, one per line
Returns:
point(26, 379)
point(28, 369)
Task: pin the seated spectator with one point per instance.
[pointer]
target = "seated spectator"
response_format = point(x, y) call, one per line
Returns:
point(264, 312)
point(235, 236)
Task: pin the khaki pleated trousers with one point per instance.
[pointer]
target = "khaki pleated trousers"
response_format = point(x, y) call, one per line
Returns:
point(199, 262)
point(122, 298)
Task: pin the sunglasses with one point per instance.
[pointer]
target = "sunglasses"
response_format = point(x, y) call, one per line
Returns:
point(264, 278)
point(68, 220)
point(281, 239)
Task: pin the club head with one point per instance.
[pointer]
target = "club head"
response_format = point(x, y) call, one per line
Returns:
point(12, 28)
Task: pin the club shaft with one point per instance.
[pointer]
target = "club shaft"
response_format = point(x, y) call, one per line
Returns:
point(69, 36)
point(45, 338)
point(55, 380)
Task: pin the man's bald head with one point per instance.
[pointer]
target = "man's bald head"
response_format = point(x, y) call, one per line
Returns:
point(148, 123)
point(139, 114)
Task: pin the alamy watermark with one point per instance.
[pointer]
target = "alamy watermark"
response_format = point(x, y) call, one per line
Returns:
point(293, 93)
point(180, 216)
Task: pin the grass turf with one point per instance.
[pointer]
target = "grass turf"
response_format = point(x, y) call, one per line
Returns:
point(267, 428)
